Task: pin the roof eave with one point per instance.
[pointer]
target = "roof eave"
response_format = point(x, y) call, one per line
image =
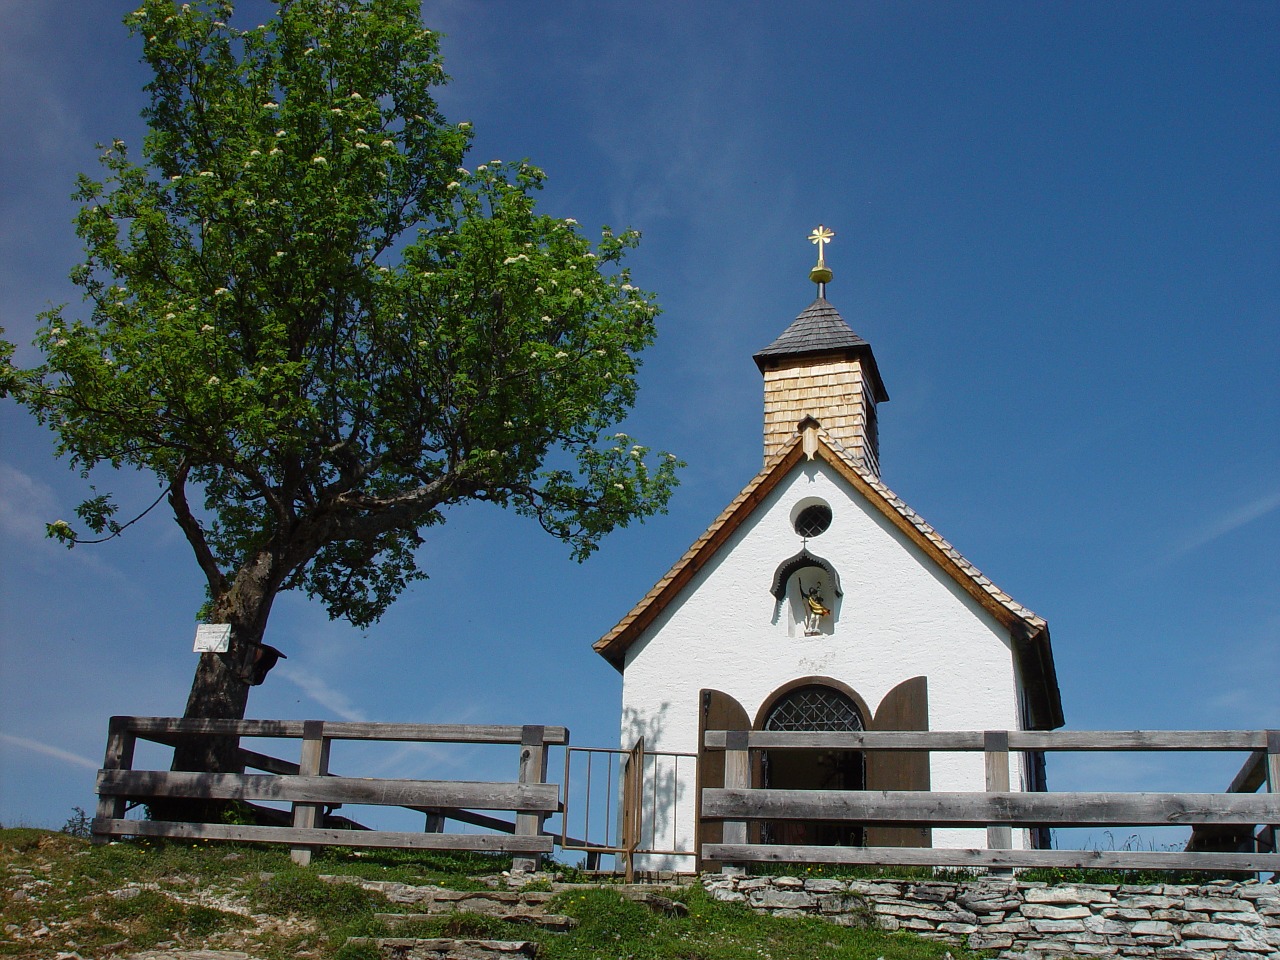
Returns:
point(773, 361)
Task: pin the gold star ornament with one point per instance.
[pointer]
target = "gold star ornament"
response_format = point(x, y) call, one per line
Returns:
point(821, 273)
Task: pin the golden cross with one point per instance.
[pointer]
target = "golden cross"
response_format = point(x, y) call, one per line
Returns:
point(821, 236)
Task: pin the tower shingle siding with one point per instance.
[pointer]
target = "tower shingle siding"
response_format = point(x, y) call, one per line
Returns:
point(820, 368)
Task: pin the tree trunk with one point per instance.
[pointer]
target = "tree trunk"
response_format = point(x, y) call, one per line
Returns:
point(220, 689)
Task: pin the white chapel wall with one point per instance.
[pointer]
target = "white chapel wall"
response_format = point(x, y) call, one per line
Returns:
point(900, 617)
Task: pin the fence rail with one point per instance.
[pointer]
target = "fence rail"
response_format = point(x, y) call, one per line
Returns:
point(999, 809)
point(310, 787)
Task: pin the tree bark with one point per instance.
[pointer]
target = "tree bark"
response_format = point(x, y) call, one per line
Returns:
point(220, 689)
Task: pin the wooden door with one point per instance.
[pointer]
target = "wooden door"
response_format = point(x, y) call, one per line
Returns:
point(717, 711)
point(905, 707)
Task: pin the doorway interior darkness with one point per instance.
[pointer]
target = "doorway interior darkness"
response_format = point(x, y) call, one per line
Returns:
point(813, 708)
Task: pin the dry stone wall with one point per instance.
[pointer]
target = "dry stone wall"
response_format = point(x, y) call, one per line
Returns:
point(1219, 920)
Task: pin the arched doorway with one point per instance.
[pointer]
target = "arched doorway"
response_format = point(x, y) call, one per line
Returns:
point(813, 707)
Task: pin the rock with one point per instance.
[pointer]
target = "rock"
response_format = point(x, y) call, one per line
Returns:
point(989, 941)
point(1041, 911)
point(783, 899)
point(818, 885)
point(1150, 928)
point(1068, 894)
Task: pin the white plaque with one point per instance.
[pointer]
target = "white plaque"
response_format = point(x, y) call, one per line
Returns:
point(213, 638)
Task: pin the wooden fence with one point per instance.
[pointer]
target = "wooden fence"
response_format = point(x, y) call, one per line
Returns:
point(998, 808)
point(309, 786)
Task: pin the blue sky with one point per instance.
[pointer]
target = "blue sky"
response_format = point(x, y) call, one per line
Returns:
point(1057, 224)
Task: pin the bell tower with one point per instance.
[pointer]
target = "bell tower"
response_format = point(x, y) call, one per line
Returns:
point(820, 368)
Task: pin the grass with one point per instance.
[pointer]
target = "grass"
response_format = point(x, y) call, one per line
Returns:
point(125, 897)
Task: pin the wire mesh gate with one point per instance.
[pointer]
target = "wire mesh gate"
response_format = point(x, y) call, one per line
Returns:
point(622, 803)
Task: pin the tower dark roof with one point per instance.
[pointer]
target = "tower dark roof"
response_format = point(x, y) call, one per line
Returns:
point(820, 331)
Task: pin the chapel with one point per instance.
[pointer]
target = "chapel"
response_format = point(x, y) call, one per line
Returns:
point(818, 600)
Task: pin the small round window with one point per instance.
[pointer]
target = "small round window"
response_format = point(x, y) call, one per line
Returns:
point(813, 520)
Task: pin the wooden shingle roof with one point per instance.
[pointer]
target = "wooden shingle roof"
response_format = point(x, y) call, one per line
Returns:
point(1030, 633)
point(820, 331)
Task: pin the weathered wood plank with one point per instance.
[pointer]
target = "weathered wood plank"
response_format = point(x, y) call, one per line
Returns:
point(118, 756)
point(402, 793)
point(260, 761)
point(1020, 809)
point(1086, 740)
point(971, 740)
point(169, 727)
point(1252, 774)
point(320, 837)
point(737, 776)
point(313, 763)
point(931, 857)
point(533, 769)
point(996, 762)
point(862, 740)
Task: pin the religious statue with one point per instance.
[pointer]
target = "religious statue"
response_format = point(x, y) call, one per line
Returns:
point(815, 610)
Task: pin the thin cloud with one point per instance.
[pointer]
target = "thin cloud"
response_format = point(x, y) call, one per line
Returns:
point(318, 690)
point(56, 753)
point(26, 504)
point(1223, 525)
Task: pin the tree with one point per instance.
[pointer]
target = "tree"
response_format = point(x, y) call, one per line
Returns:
point(307, 316)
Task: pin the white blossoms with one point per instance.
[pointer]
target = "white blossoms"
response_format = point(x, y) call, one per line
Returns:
point(569, 221)
point(517, 257)
point(319, 159)
point(214, 381)
point(221, 291)
point(451, 185)
point(206, 328)
point(271, 105)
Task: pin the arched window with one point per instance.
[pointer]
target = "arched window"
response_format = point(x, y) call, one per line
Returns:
point(815, 708)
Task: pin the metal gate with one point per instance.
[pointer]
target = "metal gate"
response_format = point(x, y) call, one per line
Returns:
point(623, 803)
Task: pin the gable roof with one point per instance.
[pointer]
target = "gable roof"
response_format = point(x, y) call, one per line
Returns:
point(819, 331)
point(1029, 632)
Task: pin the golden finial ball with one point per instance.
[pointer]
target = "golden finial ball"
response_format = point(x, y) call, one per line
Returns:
point(821, 273)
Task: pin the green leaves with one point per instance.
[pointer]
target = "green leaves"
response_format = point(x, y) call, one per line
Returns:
point(300, 303)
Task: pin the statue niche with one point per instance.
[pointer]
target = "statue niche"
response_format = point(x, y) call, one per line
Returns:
point(810, 587)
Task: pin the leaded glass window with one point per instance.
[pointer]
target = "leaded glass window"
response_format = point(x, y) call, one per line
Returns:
point(815, 708)
point(813, 520)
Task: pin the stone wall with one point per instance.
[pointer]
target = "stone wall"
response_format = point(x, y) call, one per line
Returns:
point(1219, 920)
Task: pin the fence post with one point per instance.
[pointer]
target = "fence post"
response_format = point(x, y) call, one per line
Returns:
point(119, 756)
point(313, 763)
point(1273, 782)
point(995, 745)
point(533, 769)
point(737, 776)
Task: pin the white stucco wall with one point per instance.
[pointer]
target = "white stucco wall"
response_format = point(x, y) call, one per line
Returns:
point(900, 617)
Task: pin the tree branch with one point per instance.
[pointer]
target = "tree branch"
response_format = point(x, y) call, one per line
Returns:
point(195, 534)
